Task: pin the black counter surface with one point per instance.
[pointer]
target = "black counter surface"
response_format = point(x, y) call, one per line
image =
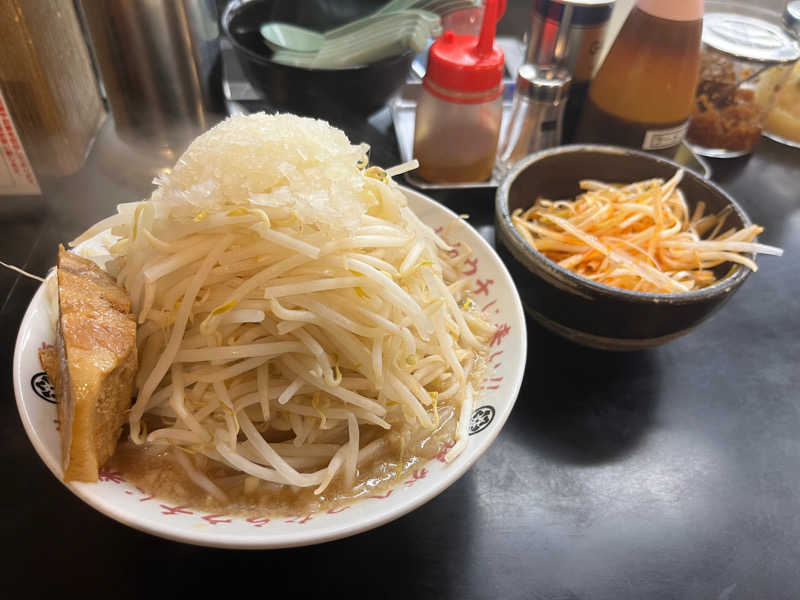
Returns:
point(667, 473)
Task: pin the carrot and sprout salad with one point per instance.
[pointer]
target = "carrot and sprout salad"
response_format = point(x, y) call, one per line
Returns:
point(640, 236)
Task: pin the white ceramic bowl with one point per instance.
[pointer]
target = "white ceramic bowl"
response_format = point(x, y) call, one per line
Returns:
point(120, 500)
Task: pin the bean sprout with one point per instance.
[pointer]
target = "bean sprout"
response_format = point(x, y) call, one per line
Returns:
point(287, 332)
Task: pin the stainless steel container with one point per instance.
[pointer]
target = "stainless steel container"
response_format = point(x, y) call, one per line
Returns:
point(156, 61)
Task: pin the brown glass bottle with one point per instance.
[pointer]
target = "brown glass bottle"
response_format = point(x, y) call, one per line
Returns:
point(642, 94)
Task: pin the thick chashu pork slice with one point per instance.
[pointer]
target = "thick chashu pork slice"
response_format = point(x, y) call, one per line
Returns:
point(92, 366)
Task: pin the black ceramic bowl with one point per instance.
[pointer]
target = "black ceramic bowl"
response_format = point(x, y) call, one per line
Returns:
point(582, 310)
point(317, 92)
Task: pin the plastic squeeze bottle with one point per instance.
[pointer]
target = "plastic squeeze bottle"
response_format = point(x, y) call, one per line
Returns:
point(643, 93)
point(460, 107)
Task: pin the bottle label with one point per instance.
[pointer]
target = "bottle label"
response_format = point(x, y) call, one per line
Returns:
point(16, 175)
point(659, 139)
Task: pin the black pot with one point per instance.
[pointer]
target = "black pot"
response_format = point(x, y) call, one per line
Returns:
point(313, 92)
point(585, 311)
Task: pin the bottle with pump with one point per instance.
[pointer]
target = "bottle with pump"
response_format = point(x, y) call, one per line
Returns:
point(460, 107)
point(642, 95)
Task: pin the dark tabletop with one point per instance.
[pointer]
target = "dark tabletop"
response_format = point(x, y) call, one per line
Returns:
point(666, 473)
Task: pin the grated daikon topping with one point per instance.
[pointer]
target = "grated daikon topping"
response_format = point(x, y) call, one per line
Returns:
point(281, 161)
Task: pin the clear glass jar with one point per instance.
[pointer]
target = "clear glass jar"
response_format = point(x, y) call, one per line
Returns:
point(783, 121)
point(746, 58)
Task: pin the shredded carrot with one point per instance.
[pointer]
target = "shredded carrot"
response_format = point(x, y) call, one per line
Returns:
point(639, 236)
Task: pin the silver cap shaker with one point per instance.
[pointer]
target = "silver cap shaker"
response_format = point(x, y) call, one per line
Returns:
point(537, 114)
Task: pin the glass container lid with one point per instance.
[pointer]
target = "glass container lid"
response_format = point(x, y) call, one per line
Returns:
point(749, 37)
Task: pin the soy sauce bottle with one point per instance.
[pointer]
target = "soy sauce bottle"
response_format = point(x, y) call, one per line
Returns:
point(642, 95)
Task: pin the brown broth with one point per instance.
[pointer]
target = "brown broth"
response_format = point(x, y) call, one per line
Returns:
point(155, 472)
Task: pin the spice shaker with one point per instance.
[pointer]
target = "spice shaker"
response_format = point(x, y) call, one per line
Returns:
point(569, 34)
point(460, 107)
point(537, 114)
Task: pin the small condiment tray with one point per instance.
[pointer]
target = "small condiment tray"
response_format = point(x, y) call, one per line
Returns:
point(404, 107)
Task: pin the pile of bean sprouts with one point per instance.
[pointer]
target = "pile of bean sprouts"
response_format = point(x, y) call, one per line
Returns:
point(257, 323)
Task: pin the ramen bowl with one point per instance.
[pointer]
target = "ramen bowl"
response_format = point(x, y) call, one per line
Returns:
point(121, 500)
point(585, 311)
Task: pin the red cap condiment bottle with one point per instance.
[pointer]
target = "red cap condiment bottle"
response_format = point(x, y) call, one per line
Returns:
point(460, 108)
